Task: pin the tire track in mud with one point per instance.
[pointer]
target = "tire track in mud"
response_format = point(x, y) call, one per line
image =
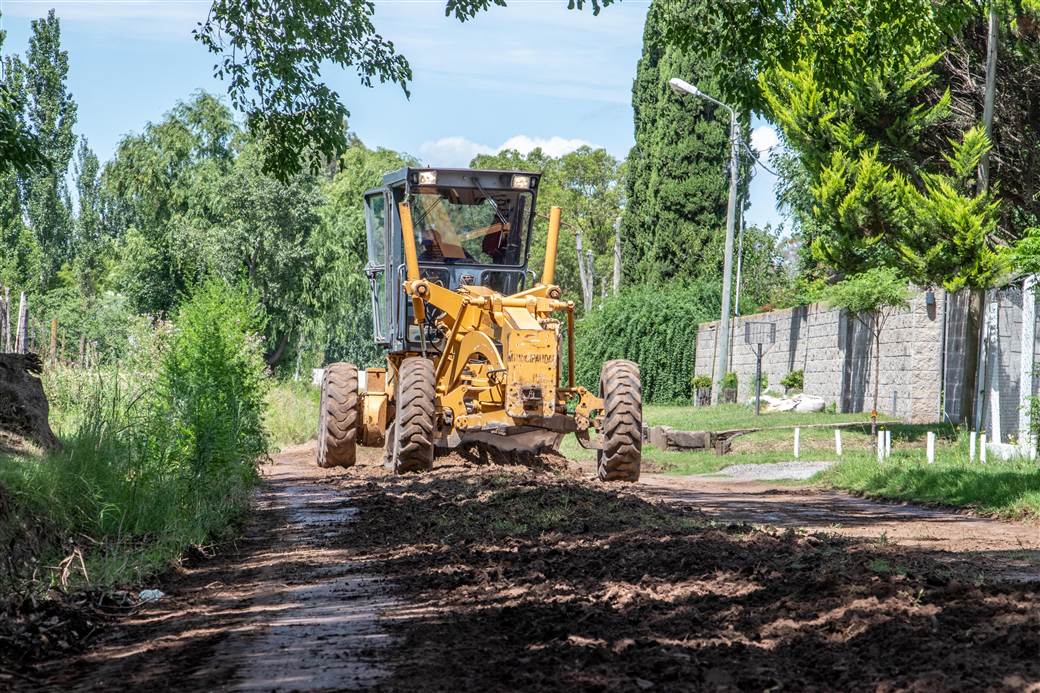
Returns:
point(286, 609)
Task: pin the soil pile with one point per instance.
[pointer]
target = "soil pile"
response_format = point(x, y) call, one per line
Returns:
point(23, 405)
point(536, 580)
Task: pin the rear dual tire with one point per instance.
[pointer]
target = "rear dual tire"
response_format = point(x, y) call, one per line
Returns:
point(621, 437)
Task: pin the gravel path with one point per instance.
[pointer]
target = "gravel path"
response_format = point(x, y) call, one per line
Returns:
point(774, 471)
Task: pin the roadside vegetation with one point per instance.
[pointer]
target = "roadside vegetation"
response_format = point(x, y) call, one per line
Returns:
point(152, 461)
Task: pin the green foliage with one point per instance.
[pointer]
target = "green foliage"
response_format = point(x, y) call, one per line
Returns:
point(292, 412)
point(729, 381)
point(272, 55)
point(701, 382)
point(210, 388)
point(676, 184)
point(869, 292)
point(795, 380)
point(153, 462)
point(654, 326)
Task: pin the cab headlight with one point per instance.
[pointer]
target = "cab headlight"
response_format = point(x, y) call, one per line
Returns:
point(427, 178)
point(521, 182)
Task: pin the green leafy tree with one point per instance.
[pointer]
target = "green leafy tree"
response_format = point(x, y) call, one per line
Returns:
point(677, 182)
point(89, 246)
point(871, 297)
point(262, 234)
point(161, 191)
point(21, 152)
point(51, 115)
point(271, 54)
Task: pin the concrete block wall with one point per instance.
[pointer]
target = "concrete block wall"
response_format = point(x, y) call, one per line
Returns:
point(836, 353)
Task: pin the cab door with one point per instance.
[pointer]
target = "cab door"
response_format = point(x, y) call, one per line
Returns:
point(376, 224)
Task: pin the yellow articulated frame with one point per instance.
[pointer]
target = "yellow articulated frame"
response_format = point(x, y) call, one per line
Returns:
point(481, 386)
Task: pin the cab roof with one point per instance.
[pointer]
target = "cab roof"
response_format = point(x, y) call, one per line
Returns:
point(462, 177)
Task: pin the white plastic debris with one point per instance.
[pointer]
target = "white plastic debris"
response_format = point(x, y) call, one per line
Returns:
point(150, 595)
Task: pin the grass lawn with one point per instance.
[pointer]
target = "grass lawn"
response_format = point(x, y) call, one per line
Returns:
point(725, 417)
point(1005, 489)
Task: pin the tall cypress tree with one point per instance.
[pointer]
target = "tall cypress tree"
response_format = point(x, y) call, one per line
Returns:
point(678, 184)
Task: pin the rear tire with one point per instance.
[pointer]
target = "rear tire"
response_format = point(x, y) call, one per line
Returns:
point(413, 429)
point(622, 434)
point(338, 416)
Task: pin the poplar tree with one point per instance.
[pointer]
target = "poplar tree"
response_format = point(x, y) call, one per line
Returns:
point(50, 115)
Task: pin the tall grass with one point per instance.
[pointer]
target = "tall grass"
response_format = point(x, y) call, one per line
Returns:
point(154, 462)
point(292, 413)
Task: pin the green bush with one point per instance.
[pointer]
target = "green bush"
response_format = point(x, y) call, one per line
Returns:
point(795, 380)
point(729, 381)
point(153, 462)
point(701, 382)
point(654, 326)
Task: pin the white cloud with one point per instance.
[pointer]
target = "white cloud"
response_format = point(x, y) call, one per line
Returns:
point(173, 19)
point(763, 140)
point(459, 151)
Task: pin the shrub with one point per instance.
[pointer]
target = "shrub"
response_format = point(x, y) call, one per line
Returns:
point(155, 461)
point(654, 326)
point(795, 380)
point(729, 381)
point(701, 382)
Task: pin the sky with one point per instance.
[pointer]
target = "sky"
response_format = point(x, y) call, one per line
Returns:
point(532, 74)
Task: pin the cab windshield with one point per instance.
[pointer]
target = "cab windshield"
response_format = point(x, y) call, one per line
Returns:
point(471, 225)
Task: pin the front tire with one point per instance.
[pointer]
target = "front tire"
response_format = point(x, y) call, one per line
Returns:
point(338, 416)
point(622, 435)
point(413, 429)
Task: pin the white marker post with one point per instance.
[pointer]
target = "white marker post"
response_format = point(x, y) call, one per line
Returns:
point(982, 448)
point(837, 441)
point(881, 446)
point(797, 442)
point(931, 448)
point(888, 443)
point(971, 447)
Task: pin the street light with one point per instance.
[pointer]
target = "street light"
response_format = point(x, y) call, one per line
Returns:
point(683, 87)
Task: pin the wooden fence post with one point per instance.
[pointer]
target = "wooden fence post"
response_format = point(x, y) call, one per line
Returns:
point(5, 320)
point(54, 340)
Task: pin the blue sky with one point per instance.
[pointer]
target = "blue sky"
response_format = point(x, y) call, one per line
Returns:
point(532, 74)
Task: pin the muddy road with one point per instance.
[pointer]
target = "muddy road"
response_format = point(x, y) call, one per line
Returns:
point(484, 575)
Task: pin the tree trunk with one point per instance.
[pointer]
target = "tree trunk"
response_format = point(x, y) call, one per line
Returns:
point(586, 289)
point(279, 351)
point(617, 255)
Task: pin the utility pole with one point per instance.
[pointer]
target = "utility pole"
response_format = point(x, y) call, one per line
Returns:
point(740, 262)
point(722, 364)
point(991, 87)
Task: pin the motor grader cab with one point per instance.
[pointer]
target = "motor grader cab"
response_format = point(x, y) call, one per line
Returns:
point(475, 342)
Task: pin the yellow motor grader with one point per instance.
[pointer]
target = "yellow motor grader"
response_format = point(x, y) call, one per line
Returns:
point(474, 344)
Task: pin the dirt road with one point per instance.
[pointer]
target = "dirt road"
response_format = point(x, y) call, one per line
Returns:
point(487, 576)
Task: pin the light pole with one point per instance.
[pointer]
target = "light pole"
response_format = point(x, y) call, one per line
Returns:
point(722, 364)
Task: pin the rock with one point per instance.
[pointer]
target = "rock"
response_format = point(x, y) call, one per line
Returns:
point(783, 404)
point(808, 403)
point(23, 404)
point(668, 438)
point(659, 437)
point(688, 440)
point(150, 595)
